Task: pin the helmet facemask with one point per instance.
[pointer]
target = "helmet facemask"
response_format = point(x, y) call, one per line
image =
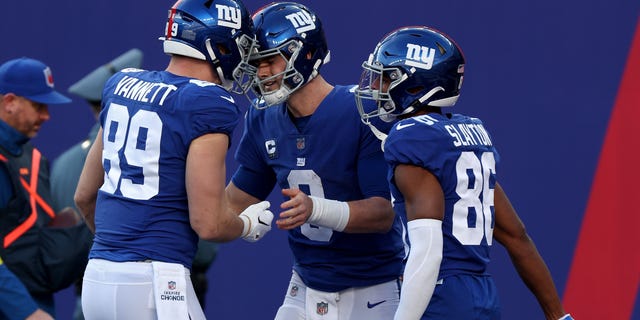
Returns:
point(242, 74)
point(289, 79)
point(371, 86)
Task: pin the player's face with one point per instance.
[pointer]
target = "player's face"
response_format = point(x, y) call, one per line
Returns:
point(267, 68)
point(381, 84)
point(25, 115)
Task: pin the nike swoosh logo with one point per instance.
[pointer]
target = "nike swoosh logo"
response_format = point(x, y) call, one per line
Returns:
point(372, 305)
point(401, 126)
point(230, 99)
point(261, 222)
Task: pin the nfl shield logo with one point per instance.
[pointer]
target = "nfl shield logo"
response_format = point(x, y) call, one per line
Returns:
point(172, 285)
point(300, 143)
point(322, 308)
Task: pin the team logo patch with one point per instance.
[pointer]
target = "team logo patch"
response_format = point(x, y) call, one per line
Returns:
point(171, 285)
point(294, 291)
point(322, 308)
point(228, 16)
point(302, 21)
point(420, 56)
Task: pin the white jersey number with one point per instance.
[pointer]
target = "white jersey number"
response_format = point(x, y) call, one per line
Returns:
point(475, 196)
point(140, 136)
point(309, 178)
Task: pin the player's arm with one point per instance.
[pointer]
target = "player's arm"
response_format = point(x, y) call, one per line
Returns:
point(510, 232)
point(209, 213)
point(91, 178)
point(373, 214)
point(15, 300)
point(237, 199)
point(424, 204)
point(205, 180)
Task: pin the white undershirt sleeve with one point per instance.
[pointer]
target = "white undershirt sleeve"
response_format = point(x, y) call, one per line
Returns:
point(423, 266)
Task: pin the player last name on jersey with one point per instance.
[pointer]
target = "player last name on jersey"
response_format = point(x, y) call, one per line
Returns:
point(143, 91)
point(468, 134)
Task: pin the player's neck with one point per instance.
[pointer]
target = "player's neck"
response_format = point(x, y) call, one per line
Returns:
point(192, 68)
point(306, 100)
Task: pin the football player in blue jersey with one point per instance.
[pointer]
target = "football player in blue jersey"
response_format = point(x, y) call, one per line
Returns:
point(345, 238)
point(154, 179)
point(442, 175)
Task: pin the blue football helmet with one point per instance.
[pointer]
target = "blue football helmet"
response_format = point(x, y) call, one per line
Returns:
point(293, 31)
point(419, 65)
point(218, 31)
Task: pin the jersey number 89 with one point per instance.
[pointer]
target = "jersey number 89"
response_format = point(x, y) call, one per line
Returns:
point(139, 135)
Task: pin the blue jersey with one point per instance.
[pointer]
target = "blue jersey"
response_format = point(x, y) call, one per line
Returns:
point(458, 150)
point(149, 119)
point(322, 158)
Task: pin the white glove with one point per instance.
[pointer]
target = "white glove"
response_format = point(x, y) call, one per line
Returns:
point(257, 221)
point(566, 317)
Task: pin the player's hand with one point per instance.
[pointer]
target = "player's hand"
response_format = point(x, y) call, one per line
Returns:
point(257, 221)
point(67, 217)
point(297, 209)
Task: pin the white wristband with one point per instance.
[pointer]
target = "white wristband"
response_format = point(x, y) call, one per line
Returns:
point(329, 213)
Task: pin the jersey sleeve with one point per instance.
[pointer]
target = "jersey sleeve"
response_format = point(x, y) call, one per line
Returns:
point(211, 113)
point(15, 301)
point(414, 147)
point(372, 168)
point(254, 175)
point(372, 176)
point(255, 183)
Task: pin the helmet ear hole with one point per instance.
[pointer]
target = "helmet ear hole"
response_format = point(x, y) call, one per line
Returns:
point(224, 50)
point(310, 54)
point(414, 90)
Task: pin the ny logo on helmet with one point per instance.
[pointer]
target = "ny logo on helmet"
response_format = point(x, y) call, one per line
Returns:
point(228, 16)
point(420, 56)
point(302, 21)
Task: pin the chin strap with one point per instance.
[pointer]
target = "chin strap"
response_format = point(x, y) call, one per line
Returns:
point(379, 134)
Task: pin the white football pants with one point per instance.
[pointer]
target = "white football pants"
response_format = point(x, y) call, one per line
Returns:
point(378, 302)
point(124, 290)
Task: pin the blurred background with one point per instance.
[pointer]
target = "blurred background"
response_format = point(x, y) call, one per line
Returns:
point(556, 82)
